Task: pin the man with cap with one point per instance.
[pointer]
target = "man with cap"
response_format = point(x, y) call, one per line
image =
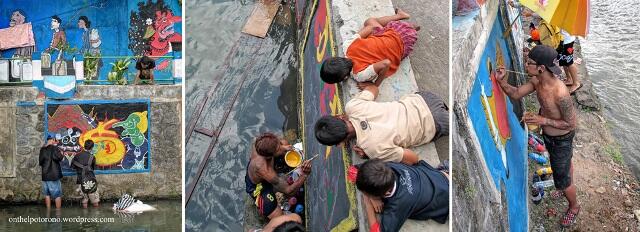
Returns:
point(557, 117)
point(49, 161)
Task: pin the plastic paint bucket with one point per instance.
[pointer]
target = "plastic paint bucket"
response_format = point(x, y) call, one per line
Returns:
point(293, 158)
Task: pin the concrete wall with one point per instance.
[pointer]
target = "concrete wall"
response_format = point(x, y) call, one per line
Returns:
point(488, 195)
point(22, 125)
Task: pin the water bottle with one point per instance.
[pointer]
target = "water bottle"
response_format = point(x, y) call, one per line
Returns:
point(538, 158)
point(293, 201)
point(286, 207)
point(299, 209)
point(536, 143)
point(544, 171)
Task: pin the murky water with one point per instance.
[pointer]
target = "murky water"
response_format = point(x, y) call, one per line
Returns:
point(612, 54)
point(220, 58)
point(166, 218)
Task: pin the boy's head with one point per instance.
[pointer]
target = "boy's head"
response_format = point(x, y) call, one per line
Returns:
point(330, 130)
point(290, 226)
point(374, 178)
point(88, 145)
point(268, 145)
point(335, 69)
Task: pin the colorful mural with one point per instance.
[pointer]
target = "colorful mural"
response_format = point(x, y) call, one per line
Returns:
point(153, 28)
point(332, 207)
point(119, 129)
point(501, 137)
point(98, 32)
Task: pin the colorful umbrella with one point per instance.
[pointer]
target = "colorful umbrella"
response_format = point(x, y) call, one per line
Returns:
point(570, 15)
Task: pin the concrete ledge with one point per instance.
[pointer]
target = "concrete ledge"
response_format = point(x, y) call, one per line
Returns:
point(349, 17)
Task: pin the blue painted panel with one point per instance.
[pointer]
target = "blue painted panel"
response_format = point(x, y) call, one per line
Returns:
point(514, 176)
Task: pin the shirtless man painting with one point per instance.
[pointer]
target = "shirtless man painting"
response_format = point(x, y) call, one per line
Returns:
point(557, 118)
point(262, 181)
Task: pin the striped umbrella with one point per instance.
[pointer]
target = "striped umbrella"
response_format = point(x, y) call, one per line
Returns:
point(570, 15)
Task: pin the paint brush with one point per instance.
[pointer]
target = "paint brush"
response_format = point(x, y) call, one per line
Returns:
point(289, 173)
point(515, 72)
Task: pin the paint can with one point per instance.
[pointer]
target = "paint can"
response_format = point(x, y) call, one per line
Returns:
point(293, 158)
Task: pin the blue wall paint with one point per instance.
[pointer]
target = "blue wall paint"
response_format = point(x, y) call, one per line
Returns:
point(110, 18)
point(516, 182)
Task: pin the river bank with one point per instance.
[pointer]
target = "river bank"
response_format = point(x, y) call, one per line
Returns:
point(608, 193)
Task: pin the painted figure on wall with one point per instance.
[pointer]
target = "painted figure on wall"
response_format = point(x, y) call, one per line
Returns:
point(152, 30)
point(90, 37)
point(59, 39)
point(18, 17)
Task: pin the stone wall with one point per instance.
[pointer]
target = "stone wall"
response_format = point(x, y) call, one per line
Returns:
point(22, 130)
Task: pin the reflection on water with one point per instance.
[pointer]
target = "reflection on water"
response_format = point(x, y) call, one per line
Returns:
point(166, 218)
point(221, 57)
point(612, 54)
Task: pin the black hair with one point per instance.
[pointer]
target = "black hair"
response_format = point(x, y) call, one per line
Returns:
point(147, 62)
point(289, 226)
point(87, 23)
point(335, 69)
point(88, 145)
point(330, 130)
point(375, 178)
point(56, 18)
point(531, 25)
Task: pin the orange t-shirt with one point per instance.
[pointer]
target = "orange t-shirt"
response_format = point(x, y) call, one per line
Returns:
point(367, 51)
point(535, 35)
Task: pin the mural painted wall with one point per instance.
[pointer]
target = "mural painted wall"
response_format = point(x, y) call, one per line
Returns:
point(94, 28)
point(502, 138)
point(331, 207)
point(119, 129)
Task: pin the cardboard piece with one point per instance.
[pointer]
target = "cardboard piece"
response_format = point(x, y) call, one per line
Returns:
point(261, 18)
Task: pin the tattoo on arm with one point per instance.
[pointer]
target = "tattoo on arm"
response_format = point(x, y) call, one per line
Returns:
point(278, 184)
point(568, 112)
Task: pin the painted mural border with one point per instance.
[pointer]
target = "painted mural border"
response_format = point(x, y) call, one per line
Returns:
point(115, 101)
point(350, 222)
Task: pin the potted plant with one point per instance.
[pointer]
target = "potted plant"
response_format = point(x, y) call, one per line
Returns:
point(118, 71)
point(91, 66)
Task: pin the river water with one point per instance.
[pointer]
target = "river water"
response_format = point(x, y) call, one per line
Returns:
point(168, 217)
point(612, 54)
point(219, 58)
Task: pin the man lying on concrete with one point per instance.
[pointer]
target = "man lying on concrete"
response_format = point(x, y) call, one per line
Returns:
point(417, 192)
point(49, 160)
point(375, 52)
point(262, 181)
point(285, 223)
point(557, 118)
point(386, 130)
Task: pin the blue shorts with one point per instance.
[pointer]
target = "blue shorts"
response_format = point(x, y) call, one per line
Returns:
point(52, 189)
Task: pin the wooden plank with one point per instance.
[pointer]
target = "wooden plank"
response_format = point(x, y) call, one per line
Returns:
point(261, 18)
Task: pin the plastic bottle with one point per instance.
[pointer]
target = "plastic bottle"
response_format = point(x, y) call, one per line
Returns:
point(544, 171)
point(299, 209)
point(538, 158)
point(293, 201)
point(286, 207)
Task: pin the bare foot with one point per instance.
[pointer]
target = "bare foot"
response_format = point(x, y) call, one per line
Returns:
point(402, 14)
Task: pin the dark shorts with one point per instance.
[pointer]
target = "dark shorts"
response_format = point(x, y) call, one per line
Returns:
point(266, 201)
point(565, 54)
point(440, 112)
point(560, 150)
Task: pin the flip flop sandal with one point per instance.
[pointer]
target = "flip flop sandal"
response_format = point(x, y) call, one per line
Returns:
point(574, 91)
point(569, 218)
point(557, 194)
